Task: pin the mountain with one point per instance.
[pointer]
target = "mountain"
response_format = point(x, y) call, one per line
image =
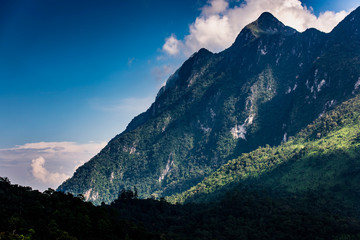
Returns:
point(271, 83)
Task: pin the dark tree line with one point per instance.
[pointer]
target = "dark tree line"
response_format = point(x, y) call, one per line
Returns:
point(243, 213)
point(27, 214)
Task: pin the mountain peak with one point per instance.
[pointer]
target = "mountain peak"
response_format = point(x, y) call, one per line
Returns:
point(268, 24)
point(267, 17)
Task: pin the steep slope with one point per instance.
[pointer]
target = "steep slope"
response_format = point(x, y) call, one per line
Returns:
point(268, 85)
point(324, 157)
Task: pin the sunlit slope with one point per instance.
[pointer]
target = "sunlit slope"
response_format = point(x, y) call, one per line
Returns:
point(324, 157)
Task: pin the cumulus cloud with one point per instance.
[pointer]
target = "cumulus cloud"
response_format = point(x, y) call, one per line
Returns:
point(172, 45)
point(218, 24)
point(42, 174)
point(45, 164)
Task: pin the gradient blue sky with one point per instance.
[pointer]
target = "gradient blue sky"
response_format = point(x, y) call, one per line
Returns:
point(64, 64)
point(76, 72)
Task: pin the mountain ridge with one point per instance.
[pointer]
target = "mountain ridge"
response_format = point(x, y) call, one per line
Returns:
point(218, 106)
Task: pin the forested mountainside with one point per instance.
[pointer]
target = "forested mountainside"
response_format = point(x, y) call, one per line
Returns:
point(322, 158)
point(271, 83)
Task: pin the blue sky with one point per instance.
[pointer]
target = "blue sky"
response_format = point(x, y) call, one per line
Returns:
point(74, 73)
point(61, 61)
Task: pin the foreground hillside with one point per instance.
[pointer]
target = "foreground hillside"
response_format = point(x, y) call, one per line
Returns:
point(271, 83)
point(324, 157)
point(242, 214)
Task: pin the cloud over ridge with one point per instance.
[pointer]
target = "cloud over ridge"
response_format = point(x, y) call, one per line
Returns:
point(218, 24)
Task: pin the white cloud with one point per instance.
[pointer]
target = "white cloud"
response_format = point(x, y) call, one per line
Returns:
point(172, 45)
point(213, 32)
point(42, 174)
point(26, 165)
point(215, 7)
point(218, 25)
